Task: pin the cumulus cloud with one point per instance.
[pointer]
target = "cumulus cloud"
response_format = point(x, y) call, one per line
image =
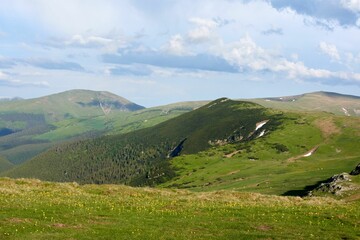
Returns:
point(246, 55)
point(352, 5)
point(203, 31)
point(176, 46)
point(330, 50)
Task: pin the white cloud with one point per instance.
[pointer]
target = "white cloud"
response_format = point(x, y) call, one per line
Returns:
point(330, 50)
point(176, 46)
point(8, 81)
point(248, 56)
point(203, 31)
point(353, 5)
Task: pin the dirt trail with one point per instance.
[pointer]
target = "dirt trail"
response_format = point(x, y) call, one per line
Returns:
point(230, 155)
point(307, 154)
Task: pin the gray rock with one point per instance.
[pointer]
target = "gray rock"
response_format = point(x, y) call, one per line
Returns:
point(356, 171)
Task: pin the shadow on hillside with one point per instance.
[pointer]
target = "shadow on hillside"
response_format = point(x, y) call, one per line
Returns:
point(303, 192)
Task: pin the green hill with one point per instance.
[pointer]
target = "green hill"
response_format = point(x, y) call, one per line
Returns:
point(225, 144)
point(71, 104)
point(29, 127)
point(278, 163)
point(141, 157)
point(338, 104)
point(5, 164)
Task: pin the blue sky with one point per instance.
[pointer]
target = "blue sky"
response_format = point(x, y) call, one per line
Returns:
point(163, 51)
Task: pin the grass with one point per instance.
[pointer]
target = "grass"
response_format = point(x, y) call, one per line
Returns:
point(31, 209)
point(260, 167)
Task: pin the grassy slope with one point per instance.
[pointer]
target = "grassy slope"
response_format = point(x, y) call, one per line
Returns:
point(259, 167)
point(317, 101)
point(107, 159)
point(64, 105)
point(31, 209)
point(85, 122)
point(5, 164)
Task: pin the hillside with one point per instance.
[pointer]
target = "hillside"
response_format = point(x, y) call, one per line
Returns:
point(29, 127)
point(31, 209)
point(5, 164)
point(141, 157)
point(306, 149)
point(71, 104)
point(339, 104)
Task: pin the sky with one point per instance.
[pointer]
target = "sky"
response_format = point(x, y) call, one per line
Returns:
point(163, 51)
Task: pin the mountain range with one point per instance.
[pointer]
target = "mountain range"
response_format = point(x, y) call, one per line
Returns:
point(222, 144)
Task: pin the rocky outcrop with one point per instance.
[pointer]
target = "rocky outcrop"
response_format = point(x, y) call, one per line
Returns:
point(356, 171)
point(334, 185)
point(176, 151)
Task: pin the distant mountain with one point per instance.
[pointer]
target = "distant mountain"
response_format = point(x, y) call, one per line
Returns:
point(5, 99)
point(71, 104)
point(29, 127)
point(336, 103)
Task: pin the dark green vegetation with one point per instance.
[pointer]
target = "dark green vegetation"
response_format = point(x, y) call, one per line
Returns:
point(29, 127)
point(141, 157)
point(31, 209)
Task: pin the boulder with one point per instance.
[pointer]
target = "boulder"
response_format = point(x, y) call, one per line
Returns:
point(356, 171)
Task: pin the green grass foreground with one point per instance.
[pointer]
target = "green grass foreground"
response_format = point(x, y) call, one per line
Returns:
point(31, 209)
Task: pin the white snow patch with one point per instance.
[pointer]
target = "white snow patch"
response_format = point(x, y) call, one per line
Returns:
point(345, 111)
point(267, 100)
point(225, 100)
point(309, 153)
point(212, 105)
point(262, 133)
point(357, 111)
point(260, 124)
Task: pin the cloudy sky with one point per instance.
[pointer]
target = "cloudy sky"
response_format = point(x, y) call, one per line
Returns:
point(162, 51)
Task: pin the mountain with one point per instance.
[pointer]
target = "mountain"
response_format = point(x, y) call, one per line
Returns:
point(29, 127)
point(225, 144)
point(71, 104)
point(142, 157)
point(336, 103)
point(25, 123)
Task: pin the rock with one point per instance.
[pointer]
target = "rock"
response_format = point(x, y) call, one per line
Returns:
point(356, 171)
point(333, 185)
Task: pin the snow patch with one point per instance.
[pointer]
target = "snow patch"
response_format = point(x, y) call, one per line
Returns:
point(311, 152)
point(261, 124)
point(262, 133)
point(345, 111)
point(225, 100)
point(212, 105)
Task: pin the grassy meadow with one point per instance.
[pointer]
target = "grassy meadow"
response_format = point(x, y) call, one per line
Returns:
point(31, 209)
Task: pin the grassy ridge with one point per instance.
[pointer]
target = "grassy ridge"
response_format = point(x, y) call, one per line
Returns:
point(31, 209)
point(73, 115)
point(262, 166)
point(5, 164)
point(338, 104)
